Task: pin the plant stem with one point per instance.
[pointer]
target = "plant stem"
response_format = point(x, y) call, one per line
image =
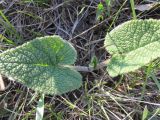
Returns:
point(133, 9)
point(90, 69)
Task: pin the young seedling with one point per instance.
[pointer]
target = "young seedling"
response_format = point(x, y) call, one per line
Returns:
point(45, 64)
point(102, 11)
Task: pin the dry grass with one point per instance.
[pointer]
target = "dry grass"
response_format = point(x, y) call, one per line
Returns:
point(101, 97)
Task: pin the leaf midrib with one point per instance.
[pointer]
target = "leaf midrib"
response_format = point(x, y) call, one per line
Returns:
point(36, 64)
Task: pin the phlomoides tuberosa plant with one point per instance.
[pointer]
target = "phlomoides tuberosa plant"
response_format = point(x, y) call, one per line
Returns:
point(45, 64)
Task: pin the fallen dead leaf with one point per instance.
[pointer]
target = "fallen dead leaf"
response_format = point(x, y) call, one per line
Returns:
point(145, 7)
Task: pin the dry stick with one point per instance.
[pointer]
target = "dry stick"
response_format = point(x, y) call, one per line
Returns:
point(90, 69)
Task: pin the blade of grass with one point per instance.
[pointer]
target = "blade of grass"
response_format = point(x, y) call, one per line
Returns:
point(149, 69)
point(145, 113)
point(116, 15)
point(156, 113)
point(40, 108)
point(104, 111)
point(133, 9)
point(7, 21)
point(155, 80)
point(9, 27)
point(6, 39)
point(72, 106)
point(33, 97)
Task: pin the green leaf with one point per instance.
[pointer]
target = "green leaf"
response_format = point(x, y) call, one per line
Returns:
point(145, 113)
point(43, 65)
point(100, 7)
point(108, 2)
point(100, 10)
point(132, 45)
point(94, 62)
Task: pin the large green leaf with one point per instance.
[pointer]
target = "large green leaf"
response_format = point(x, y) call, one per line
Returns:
point(132, 45)
point(43, 65)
